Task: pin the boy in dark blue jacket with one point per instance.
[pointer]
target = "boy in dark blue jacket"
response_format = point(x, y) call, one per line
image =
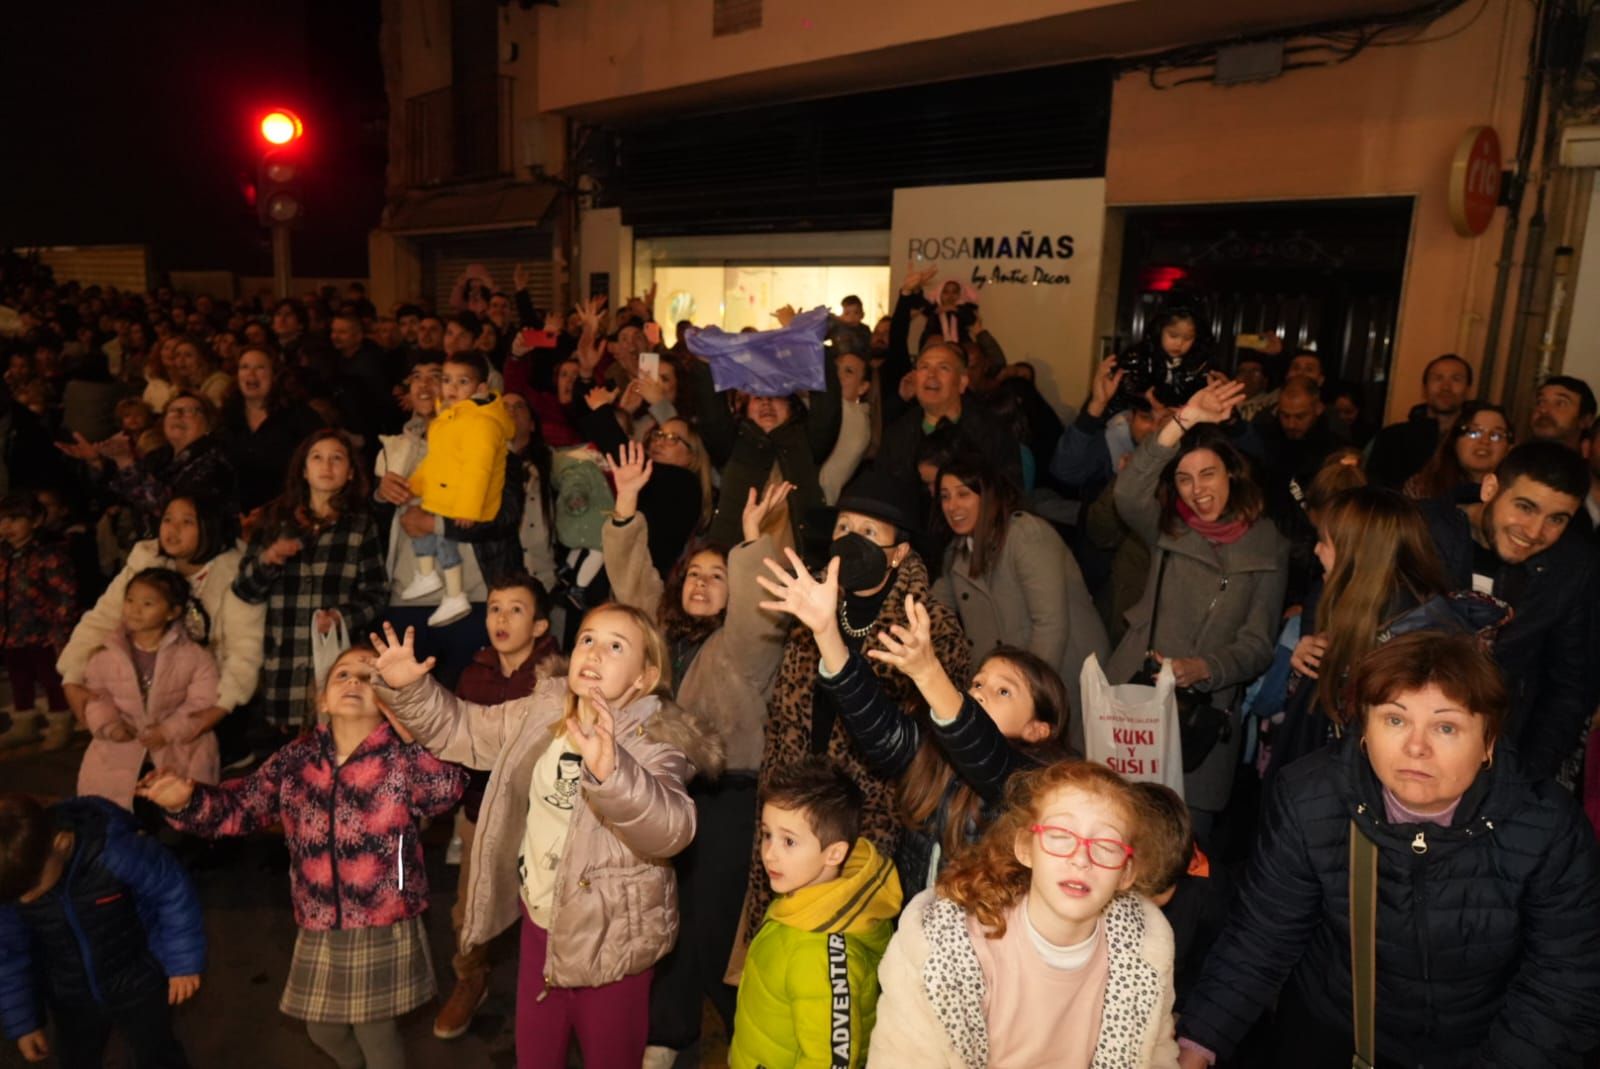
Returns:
point(100, 924)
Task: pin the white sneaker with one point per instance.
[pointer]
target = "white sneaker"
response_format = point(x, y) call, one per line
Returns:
point(450, 610)
point(421, 586)
point(659, 1058)
point(452, 853)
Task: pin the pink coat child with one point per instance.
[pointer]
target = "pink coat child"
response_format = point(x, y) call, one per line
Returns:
point(183, 685)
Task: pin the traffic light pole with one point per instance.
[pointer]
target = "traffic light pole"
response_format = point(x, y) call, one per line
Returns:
point(281, 270)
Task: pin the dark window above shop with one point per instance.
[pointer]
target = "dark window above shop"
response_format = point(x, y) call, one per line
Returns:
point(834, 163)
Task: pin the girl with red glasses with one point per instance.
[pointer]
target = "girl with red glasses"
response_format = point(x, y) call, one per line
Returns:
point(1038, 946)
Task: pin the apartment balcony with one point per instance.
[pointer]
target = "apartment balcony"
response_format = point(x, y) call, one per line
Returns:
point(461, 133)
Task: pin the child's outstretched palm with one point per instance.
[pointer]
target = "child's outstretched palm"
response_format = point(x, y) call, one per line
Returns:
point(597, 743)
point(168, 790)
point(909, 647)
point(397, 663)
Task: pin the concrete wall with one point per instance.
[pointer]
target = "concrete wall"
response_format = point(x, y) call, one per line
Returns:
point(1385, 123)
point(604, 244)
point(604, 49)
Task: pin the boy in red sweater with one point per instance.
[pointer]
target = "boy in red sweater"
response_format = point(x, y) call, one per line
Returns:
point(520, 653)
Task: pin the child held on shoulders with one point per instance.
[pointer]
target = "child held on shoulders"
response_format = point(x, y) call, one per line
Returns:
point(150, 685)
point(809, 992)
point(461, 478)
point(520, 654)
point(586, 801)
point(351, 796)
point(953, 766)
point(100, 929)
point(1032, 950)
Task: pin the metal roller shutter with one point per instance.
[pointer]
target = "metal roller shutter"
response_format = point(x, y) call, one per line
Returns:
point(445, 257)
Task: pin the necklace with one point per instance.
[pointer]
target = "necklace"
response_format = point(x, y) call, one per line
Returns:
point(844, 623)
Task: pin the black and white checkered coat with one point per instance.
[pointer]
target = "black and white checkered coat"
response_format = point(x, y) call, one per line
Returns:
point(341, 568)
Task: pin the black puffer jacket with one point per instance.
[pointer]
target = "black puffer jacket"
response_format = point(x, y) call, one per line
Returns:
point(1488, 930)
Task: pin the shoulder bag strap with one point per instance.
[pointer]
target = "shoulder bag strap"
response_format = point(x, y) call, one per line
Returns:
point(1363, 946)
point(1155, 603)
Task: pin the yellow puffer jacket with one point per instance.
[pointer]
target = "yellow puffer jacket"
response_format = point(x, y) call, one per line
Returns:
point(464, 473)
point(809, 994)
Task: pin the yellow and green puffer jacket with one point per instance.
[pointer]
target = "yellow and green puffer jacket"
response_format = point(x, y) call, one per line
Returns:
point(464, 472)
point(809, 995)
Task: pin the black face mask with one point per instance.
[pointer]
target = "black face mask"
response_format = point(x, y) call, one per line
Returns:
point(863, 564)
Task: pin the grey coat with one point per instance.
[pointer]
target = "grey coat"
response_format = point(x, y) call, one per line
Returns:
point(1033, 597)
point(1218, 602)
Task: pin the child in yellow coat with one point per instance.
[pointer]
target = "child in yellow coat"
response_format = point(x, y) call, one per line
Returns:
point(461, 478)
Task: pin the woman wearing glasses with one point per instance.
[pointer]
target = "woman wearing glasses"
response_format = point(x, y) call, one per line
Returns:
point(1034, 948)
point(1486, 900)
point(1475, 446)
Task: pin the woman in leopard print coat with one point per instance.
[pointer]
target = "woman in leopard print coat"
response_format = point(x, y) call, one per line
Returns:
point(802, 721)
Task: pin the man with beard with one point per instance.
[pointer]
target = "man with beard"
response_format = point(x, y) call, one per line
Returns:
point(1563, 410)
point(1509, 544)
point(1401, 449)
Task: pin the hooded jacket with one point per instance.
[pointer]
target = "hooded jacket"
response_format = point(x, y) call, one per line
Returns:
point(615, 906)
point(809, 994)
point(182, 686)
point(1488, 945)
point(464, 474)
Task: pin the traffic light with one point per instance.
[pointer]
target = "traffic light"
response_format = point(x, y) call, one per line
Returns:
point(278, 199)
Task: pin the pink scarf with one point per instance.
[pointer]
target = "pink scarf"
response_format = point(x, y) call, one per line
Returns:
point(1217, 532)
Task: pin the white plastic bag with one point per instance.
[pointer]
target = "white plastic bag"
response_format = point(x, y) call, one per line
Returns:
point(325, 649)
point(1133, 727)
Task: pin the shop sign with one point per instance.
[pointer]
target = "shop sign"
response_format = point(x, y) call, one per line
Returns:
point(1028, 252)
point(1475, 181)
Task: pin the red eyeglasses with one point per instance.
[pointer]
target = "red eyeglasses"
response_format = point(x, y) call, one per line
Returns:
point(1103, 853)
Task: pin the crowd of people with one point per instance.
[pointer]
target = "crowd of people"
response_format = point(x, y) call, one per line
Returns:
point(774, 702)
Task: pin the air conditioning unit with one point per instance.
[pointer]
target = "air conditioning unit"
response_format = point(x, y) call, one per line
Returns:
point(1580, 146)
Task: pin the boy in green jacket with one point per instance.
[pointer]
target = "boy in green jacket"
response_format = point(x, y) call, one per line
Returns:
point(809, 994)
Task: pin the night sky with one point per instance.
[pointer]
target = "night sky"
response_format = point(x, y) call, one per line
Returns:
point(134, 123)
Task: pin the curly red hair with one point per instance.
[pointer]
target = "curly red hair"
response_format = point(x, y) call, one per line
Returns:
point(986, 879)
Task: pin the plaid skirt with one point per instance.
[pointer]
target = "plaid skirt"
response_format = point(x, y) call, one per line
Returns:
point(359, 975)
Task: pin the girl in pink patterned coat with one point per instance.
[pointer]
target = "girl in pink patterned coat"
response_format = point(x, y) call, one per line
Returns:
point(150, 683)
point(350, 795)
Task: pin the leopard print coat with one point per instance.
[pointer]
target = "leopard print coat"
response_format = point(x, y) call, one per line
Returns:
point(788, 736)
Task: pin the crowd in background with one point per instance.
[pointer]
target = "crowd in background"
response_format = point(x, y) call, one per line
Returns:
point(778, 701)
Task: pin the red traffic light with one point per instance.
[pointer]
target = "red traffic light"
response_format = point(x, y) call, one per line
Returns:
point(281, 126)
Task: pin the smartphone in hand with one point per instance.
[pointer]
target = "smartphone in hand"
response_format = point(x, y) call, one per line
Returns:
point(650, 366)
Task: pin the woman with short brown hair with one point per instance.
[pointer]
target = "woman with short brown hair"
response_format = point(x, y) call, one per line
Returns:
point(1487, 903)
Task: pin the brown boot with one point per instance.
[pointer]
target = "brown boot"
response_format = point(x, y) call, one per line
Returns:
point(456, 1015)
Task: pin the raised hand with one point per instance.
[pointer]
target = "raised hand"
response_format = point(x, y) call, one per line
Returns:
point(1107, 379)
point(599, 396)
point(631, 469)
point(168, 790)
point(397, 663)
point(1212, 403)
point(798, 594)
point(596, 742)
point(652, 334)
point(757, 509)
point(324, 619)
point(916, 277)
point(651, 390)
point(553, 323)
point(909, 647)
point(784, 315)
point(519, 278)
